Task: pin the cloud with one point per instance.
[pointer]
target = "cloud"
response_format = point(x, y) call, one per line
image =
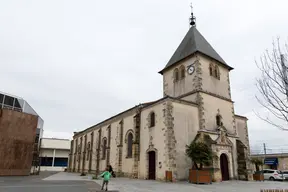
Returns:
point(78, 63)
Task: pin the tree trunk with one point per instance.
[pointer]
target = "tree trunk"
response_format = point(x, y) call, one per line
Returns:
point(257, 167)
point(195, 166)
point(201, 166)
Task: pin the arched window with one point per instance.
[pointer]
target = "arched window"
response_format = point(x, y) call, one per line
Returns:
point(218, 72)
point(104, 147)
point(176, 75)
point(182, 72)
point(152, 119)
point(129, 145)
point(211, 69)
point(215, 72)
point(218, 120)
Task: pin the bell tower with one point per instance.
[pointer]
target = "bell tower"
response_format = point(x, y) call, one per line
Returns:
point(195, 66)
point(197, 73)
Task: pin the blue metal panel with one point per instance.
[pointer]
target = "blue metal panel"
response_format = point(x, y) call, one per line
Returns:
point(271, 161)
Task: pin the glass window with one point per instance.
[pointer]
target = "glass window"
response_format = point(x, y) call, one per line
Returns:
point(17, 104)
point(152, 119)
point(176, 75)
point(9, 101)
point(129, 146)
point(218, 120)
point(46, 161)
point(104, 147)
point(182, 72)
point(60, 162)
point(1, 98)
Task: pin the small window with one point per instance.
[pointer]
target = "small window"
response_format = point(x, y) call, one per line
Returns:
point(176, 75)
point(218, 120)
point(152, 119)
point(211, 70)
point(218, 73)
point(129, 145)
point(1, 98)
point(182, 72)
point(215, 72)
point(104, 147)
point(88, 150)
point(9, 101)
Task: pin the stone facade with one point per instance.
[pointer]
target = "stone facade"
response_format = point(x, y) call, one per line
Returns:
point(17, 136)
point(197, 101)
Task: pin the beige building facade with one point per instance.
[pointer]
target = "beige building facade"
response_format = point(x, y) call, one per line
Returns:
point(149, 139)
point(278, 161)
point(54, 154)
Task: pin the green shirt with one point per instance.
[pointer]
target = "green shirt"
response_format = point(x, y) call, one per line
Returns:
point(106, 175)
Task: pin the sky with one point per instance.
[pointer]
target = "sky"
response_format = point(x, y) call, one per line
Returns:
point(80, 62)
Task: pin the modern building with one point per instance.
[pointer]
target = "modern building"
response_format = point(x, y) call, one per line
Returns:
point(20, 131)
point(149, 139)
point(54, 154)
point(277, 161)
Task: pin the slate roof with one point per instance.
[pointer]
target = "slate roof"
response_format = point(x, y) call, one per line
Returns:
point(194, 42)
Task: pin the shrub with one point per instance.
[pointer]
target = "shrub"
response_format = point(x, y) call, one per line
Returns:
point(200, 154)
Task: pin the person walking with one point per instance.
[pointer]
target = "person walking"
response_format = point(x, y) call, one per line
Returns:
point(106, 178)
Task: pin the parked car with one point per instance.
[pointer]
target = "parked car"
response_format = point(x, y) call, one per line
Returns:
point(285, 174)
point(272, 175)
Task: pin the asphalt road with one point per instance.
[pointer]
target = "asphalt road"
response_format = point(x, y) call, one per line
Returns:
point(36, 184)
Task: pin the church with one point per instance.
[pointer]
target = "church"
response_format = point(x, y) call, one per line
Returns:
point(150, 139)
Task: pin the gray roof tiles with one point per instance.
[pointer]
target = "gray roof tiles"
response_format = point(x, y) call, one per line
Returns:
point(194, 42)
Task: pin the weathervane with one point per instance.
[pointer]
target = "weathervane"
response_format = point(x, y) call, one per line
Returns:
point(192, 18)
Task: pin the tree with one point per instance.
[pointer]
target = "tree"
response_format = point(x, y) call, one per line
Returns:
point(257, 162)
point(200, 153)
point(273, 85)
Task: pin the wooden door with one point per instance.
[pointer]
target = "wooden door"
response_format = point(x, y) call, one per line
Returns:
point(224, 167)
point(152, 165)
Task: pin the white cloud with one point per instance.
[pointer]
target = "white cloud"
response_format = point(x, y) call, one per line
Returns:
point(78, 63)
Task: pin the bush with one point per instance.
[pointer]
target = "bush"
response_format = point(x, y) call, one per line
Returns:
point(200, 153)
point(83, 174)
point(257, 162)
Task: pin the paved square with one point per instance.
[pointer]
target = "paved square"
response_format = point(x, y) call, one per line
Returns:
point(133, 185)
point(36, 184)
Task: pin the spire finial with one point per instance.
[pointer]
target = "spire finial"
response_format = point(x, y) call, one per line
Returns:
point(192, 18)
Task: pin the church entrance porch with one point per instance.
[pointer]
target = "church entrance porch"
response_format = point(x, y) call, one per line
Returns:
point(224, 167)
point(151, 165)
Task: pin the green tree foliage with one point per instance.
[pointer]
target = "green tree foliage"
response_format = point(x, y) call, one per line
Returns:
point(257, 162)
point(200, 153)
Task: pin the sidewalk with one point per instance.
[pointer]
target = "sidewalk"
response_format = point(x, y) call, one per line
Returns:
point(137, 185)
point(64, 176)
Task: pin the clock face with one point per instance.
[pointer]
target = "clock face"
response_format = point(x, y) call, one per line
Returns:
point(190, 69)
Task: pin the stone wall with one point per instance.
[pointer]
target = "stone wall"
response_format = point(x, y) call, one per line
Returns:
point(17, 135)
